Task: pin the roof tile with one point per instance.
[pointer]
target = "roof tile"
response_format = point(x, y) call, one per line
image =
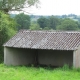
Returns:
point(56, 40)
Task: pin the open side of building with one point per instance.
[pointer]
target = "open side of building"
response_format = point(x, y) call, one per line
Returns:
point(43, 48)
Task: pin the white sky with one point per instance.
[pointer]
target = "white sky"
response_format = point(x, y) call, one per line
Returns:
point(57, 7)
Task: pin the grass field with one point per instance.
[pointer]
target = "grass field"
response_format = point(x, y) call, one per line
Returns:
point(32, 73)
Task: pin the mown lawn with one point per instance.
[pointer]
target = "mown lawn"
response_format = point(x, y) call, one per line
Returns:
point(32, 73)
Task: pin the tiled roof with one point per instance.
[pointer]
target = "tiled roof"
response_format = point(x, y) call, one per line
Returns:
point(55, 40)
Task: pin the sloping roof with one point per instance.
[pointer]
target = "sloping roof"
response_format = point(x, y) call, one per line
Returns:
point(55, 40)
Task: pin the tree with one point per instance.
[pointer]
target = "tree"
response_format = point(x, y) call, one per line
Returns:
point(78, 23)
point(54, 21)
point(68, 24)
point(18, 5)
point(7, 30)
point(23, 20)
point(34, 26)
point(43, 22)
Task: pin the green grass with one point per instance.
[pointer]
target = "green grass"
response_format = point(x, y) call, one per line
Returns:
point(32, 73)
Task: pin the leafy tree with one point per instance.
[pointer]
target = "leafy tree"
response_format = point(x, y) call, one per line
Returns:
point(46, 28)
point(18, 5)
point(43, 22)
point(34, 27)
point(54, 21)
point(23, 20)
point(68, 24)
point(78, 23)
point(7, 29)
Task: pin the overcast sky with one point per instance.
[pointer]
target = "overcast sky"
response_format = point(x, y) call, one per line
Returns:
point(57, 7)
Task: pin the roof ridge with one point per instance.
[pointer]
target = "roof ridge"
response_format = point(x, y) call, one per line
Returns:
point(46, 31)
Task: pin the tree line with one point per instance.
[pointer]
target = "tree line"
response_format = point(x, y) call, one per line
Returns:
point(46, 23)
